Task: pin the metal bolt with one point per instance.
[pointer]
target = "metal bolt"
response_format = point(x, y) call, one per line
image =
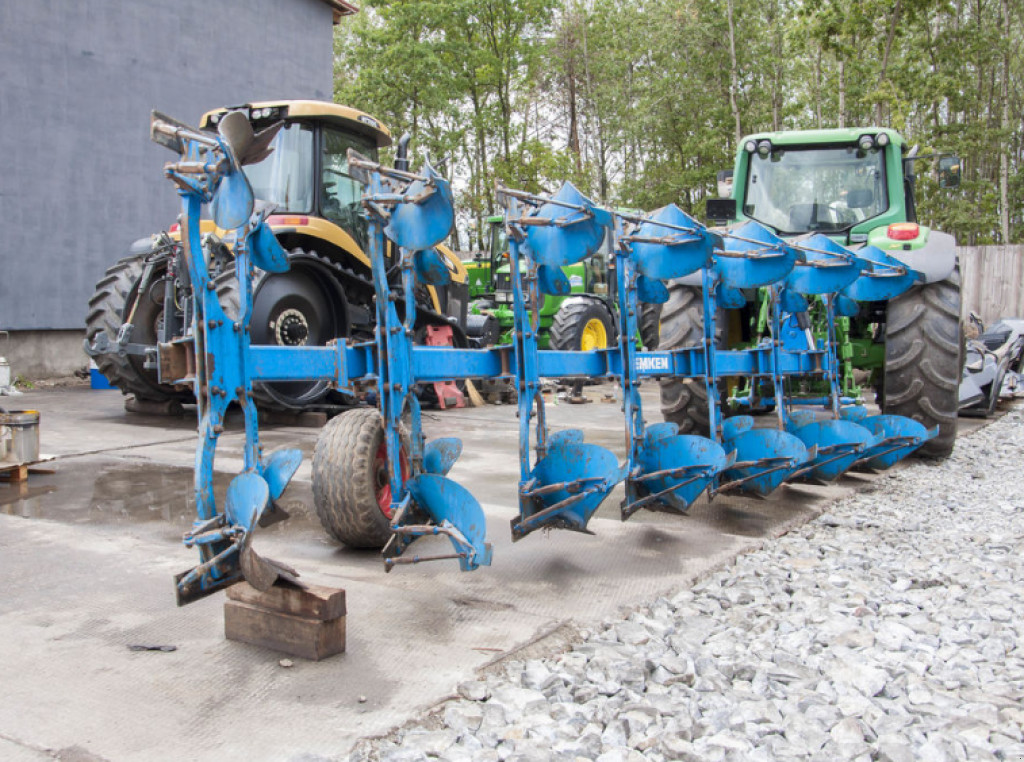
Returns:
point(218, 429)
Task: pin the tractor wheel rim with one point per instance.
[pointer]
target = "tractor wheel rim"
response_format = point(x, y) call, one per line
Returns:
point(594, 336)
point(382, 481)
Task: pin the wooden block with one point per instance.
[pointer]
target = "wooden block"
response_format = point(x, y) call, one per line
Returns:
point(295, 635)
point(14, 473)
point(311, 602)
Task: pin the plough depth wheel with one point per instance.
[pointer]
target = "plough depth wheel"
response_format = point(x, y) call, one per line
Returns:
point(350, 480)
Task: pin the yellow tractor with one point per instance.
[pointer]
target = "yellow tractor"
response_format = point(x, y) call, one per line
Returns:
point(327, 293)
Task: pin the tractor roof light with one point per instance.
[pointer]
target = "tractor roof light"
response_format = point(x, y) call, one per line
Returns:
point(750, 146)
point(866, 142)
point(882, 139)
point(903, 231)
point(764, 148)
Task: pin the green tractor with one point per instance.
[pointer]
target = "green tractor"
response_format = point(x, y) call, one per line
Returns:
point(583, 320)
point(856, 186)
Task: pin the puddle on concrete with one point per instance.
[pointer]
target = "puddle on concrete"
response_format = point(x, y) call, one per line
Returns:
point(132, 494)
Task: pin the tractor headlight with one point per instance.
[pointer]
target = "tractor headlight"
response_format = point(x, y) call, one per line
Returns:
point(882, 139)
point(764, 148)
point(866, 142)
point(750, 146)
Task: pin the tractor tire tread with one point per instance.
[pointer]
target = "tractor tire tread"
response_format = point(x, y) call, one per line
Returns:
point(924, 358)
point(105, 315)
point(684, 401)
point(344, 492)
point(569, 320)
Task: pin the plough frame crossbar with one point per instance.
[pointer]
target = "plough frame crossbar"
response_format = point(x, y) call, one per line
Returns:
point(563, 479)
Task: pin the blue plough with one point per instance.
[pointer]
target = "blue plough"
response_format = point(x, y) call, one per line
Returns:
point(563, 479)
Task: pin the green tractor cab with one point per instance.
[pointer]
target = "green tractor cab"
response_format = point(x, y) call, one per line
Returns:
point(857, 187)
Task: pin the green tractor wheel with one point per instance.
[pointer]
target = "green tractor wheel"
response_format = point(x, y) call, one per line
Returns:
point(581, 325)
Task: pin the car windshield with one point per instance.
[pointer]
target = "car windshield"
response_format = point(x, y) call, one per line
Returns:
point(341, 199)
point(800, 190)
point(285, 178)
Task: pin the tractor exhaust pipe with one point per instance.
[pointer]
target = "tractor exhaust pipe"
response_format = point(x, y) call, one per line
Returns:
point(402, 153)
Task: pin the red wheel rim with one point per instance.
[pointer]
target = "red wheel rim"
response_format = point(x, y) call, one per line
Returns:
point(382, 480)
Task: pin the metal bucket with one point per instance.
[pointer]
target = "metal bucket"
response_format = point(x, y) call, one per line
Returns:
point(19, 436)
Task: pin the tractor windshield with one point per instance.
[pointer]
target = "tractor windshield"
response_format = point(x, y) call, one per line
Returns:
point(341, 196)
point(285, 178)
point(799, 190)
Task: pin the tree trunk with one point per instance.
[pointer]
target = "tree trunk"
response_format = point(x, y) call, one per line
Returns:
point(734, 87)
point(1004, 149)
point(842, 92)
point(893, 22)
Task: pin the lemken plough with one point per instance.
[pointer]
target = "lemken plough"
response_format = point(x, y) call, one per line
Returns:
point(563, 478)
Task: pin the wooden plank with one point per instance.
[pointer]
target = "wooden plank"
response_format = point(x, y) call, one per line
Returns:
point(294, 635)
point(311, 601)
point(18, 473)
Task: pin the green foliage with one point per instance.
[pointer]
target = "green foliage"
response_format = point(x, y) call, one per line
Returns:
point(639, 102)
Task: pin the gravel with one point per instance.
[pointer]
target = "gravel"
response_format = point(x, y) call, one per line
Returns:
point(887, 630)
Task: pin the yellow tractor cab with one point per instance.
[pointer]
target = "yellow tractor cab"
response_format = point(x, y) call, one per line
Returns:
point(327, 293)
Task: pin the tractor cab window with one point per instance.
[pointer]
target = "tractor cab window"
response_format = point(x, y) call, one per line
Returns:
point(285, 178)
point(341, 196)
point(801, 190)
point(598, 268)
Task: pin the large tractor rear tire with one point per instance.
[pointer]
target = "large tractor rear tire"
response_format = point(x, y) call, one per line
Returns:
point(684, 402)
point(924, 359)
point(305, 306)
point(650, 325)
point(581, 325)
point(109, 307)
point(351, 490)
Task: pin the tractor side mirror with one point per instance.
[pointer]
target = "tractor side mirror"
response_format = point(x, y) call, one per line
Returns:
point(725, 183)
point(949, 172)
point(721, 211)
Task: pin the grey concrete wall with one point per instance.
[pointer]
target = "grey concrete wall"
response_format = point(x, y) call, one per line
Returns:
point(44, 354)
point(79, 178)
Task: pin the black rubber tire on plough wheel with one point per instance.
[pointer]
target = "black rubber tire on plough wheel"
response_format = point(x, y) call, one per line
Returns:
point(108, 309)
point(351, 492)
point(924, 359)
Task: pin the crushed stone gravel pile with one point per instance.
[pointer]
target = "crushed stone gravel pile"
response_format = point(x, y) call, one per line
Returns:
point(887, 630)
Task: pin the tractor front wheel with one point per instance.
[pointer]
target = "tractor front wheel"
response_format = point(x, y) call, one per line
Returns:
point(304, 306)
point(351, 488)
point(581, 325)
point(924, 360)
